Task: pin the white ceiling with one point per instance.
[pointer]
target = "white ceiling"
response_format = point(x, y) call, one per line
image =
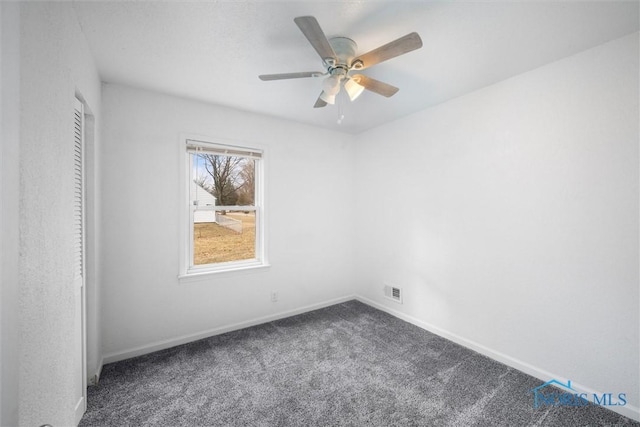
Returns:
point(213, 51)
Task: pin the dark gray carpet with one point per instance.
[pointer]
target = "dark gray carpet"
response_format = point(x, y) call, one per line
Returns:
point(348, 364)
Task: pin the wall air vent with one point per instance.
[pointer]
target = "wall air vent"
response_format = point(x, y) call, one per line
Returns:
point(393, 293)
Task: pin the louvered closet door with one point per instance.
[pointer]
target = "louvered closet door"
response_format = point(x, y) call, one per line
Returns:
point(79, 261)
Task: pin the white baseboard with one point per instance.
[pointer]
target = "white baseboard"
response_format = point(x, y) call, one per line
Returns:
point(629, 411)
point(184, 339)
point(81, 408)
point(95, 378)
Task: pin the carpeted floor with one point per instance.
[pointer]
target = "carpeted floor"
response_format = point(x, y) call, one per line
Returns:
point(348, 364)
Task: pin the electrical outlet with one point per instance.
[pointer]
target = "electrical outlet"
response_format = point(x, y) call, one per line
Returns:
point(274, 296)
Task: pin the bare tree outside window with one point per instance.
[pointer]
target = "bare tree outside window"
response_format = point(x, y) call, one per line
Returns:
point(225, 174)
point(246, 192)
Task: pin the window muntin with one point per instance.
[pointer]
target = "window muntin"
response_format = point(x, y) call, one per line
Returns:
point(224, 207)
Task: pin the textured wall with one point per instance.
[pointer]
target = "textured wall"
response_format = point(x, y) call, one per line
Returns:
point(55, 64)
point(9, 214)
point(309, 224)
point(515, 212)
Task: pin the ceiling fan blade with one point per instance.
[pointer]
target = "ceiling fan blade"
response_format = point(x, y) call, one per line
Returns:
point(390, 50)
point(312, 31)
point(374, 85)
point(283, 76)
point(320, 102)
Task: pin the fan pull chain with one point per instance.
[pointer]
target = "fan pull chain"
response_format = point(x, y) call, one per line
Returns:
point(340, 109)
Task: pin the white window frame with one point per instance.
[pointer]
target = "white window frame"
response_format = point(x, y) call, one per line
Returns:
point(187, 269)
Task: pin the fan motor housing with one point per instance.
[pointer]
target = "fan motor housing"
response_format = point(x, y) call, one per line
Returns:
point(345, 50)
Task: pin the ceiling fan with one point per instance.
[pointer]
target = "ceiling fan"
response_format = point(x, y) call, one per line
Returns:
point(339, 58)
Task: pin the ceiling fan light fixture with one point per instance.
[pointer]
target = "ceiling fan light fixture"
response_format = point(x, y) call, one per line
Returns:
point(353, 89)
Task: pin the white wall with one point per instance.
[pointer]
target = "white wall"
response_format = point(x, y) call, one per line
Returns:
point(55, 65)
point(308, 180)
point(9, 215)
point(510, 218)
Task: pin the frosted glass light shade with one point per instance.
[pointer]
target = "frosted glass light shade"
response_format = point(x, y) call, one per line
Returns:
point(353, 89)
point(331, 85)
point(328, 98)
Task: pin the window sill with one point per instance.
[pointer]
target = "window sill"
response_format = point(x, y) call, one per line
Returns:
point(205, 274)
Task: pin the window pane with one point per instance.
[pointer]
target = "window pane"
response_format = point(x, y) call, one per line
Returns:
point(229, 179)
point(231, 236)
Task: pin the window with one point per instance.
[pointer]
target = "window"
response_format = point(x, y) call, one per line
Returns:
point(223, 205)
